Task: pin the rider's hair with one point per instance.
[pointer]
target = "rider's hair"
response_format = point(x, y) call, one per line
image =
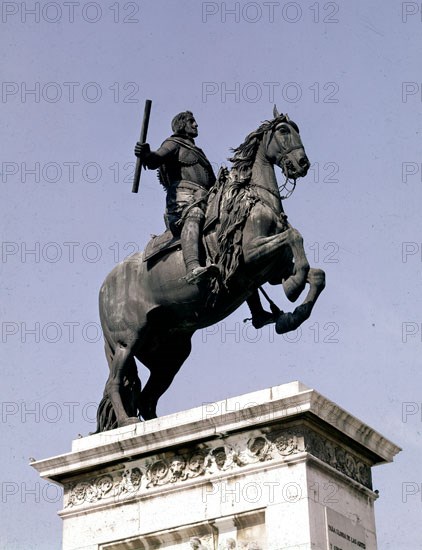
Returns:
point(179, 121)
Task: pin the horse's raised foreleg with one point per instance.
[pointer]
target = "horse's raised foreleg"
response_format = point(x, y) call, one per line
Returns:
point(164, 363)
point(287, 322)
point(295, 283)
point(264, 249)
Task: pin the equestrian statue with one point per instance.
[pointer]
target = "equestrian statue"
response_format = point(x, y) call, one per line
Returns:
point(225, 238)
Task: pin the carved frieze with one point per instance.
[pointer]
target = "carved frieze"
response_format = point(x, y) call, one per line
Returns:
point(339, 458)
point(235, 452)
point(89, 491)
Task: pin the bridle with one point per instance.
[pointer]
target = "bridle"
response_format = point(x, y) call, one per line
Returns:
point(280, 160)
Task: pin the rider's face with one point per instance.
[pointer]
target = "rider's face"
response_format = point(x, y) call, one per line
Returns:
point(191, 127)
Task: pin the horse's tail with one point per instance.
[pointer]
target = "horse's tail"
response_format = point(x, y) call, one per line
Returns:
point(106, 417)
point(130, 393)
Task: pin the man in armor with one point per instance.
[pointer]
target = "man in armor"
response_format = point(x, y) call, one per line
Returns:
point(187, 175)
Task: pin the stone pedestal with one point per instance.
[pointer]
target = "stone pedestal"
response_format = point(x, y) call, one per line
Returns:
point(282, 468)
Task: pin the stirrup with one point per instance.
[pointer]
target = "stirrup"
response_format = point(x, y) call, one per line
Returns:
point(200, 273)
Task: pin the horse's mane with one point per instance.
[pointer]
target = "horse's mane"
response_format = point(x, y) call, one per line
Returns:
point(244, 155)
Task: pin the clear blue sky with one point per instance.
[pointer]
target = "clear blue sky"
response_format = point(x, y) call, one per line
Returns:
point(349, 74)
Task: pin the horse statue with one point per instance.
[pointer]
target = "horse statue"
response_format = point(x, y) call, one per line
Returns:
point(148, 311)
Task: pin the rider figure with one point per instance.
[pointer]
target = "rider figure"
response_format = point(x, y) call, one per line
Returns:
point(187, 175)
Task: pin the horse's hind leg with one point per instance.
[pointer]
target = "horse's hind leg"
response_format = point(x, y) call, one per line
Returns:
point(121, 363)
point(164, 363)
point(130, 390)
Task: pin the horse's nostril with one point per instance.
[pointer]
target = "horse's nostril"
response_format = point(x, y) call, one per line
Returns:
point(303, 162)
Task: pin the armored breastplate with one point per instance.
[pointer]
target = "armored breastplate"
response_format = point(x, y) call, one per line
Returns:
point(190, 164)
point(195, 167)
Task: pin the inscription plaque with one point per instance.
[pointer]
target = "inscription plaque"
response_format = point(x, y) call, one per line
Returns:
point(343, 533)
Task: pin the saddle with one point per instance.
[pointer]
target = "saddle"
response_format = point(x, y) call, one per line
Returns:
point(166, 242)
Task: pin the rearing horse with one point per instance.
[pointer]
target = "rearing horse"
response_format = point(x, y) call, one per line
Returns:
point(149, 312)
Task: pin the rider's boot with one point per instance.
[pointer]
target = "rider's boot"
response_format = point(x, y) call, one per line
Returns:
point(190, 247)
point(260, 317)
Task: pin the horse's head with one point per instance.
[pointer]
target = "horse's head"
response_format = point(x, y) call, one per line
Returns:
point(284, 147)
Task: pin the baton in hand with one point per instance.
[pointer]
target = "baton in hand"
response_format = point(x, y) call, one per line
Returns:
point(142, 139)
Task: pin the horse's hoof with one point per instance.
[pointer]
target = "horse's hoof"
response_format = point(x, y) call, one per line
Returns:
point(317, 277)
point(291, 321)
point(285, 323)
point(129, 421)
point(262, 319)
point(291, 290)
point(149, 416)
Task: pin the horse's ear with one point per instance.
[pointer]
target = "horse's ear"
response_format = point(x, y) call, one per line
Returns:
point(276, 114)
point(287, 117)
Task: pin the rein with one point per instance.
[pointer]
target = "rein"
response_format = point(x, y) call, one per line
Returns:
point(284, 188)
point(281, 188)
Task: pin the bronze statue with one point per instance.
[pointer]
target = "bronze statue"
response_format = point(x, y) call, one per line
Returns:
point(149, 310)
